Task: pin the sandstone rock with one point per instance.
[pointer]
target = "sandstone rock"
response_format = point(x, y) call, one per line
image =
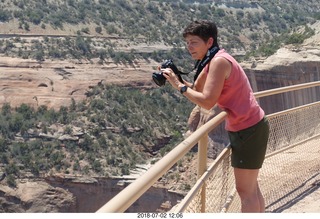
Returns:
point(217, 138)
point(48, 85)
point(35, 197)
point(68, 138)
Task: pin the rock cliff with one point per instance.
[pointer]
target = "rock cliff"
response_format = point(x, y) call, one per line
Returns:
point(56, 83)
point(290, 65)
point(35, 196)
point(63, 193)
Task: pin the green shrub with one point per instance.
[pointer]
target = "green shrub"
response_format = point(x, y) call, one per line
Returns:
point(11, 181)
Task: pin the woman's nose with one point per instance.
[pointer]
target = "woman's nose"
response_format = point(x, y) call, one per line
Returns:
point(189, 47)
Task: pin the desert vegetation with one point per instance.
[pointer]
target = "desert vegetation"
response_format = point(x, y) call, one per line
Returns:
point(246, 27)
point(118, 129)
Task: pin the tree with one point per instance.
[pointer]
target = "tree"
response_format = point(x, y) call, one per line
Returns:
point(83, 45)
point(11, 181)
point(295, 38)
point(26, 26)
point(12, 169)
point(25, 110)
point(76, 165)
point(35, 16)
point(3, 145)
point(39, 55)
point(6, 109)
point(220, 12)
point(98, 30)
point(16, 123)
point(5, 15)
point(97, 166)
point(63, 117)
point(4, 158)
point(87, 143)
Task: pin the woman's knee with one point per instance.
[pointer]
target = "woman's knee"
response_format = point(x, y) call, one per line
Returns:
point(246, 191)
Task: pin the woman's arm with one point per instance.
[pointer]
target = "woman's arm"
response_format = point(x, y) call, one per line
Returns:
point(206, 98)
point(188, 84)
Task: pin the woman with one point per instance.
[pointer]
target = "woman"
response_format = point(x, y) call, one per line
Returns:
point(221, 80)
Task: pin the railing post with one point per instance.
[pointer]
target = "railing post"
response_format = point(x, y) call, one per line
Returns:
point(202, 167)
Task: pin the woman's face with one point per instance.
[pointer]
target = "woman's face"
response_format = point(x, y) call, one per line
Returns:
point(197, 47)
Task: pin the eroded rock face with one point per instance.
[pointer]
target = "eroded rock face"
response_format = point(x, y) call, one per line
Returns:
point(92, 193)
point(56, 83)
point(298, 72)
point(36, 197)
point(77, 195)
point(217, 138)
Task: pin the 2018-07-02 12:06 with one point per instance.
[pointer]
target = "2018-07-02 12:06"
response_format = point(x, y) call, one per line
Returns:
point(160, 215)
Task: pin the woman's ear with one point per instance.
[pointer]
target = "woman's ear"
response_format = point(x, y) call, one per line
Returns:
point(210, 42)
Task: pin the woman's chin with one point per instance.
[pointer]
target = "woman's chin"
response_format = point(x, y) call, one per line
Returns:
point(195, 57)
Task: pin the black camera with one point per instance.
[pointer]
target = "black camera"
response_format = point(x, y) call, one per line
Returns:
point(158, 77)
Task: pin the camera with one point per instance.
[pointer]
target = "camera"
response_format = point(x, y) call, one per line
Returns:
point(158, 77)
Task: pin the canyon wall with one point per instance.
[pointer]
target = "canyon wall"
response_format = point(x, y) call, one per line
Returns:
point(281, 76)
point(77, 195)
point(92, 194)
point(290, 65)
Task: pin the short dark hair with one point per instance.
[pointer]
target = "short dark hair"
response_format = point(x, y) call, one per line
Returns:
point(203, 29)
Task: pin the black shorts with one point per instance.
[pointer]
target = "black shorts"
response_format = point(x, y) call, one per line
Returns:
point(249, 145)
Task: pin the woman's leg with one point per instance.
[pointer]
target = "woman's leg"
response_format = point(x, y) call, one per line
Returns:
point(261, 200)
point(248, 190)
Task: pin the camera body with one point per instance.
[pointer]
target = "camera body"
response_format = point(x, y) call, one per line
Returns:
point(158, 77)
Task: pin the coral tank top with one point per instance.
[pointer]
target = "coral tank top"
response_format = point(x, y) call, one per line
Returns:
point(237, 98)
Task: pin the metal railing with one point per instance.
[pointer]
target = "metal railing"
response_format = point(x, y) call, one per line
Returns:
point(216, 180)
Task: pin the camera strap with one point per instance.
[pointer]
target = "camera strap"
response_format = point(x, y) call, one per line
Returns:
point(200, 64)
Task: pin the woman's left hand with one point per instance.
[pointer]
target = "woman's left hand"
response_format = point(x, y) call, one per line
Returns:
point(171, 77)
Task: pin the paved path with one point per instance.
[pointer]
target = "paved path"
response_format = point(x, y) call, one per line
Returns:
point(309, 204)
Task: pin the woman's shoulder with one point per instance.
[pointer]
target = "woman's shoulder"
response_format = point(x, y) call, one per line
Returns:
point(223, 53)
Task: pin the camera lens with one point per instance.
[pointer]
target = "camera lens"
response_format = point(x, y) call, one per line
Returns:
point(158, 78)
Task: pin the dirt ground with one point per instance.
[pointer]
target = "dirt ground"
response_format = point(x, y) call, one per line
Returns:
point(309, 204)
